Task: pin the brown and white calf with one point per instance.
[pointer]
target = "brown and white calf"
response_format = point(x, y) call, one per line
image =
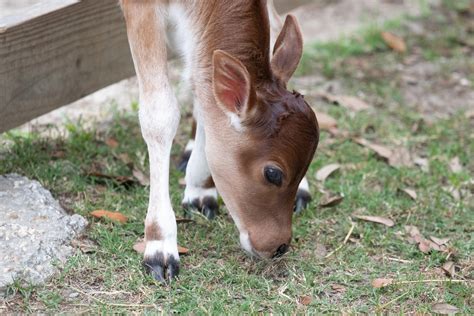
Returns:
point(254, 138)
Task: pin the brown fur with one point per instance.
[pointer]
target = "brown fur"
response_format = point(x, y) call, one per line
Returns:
point(152, 232)
point(279, 127)
point(209, 183)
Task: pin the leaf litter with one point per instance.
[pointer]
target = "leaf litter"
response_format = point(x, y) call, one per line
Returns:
point(376, 219)
point(323, 173)
point(444, 309)
point(449, 268)
point(395, 42)
point(381, 282)
point(425, 245)
point(115, 216)
point(455, 165)
point(399, 157)
point(141, 177)
point(331, 199)
point(346, 101)
point(325, 121)
point(411, 193)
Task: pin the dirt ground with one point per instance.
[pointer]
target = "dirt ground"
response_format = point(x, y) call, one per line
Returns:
point(321, 20)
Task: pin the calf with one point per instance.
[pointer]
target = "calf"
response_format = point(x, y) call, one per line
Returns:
point(254, 138)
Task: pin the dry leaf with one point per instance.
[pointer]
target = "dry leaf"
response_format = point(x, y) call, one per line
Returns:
point(325, 121)
point(455, 165)
point(330, 200)
point(139, 247)
point(381, 282)
point(444, 309)
point(394, 42)
point(376, 219)
point(455, 193)
point(85, 245)
point(396, 158)
point(142, 178)
point(400, 157)
point(338, 288)
point(382, 151)
point(346, 101)
point(439, 241)
point(469, 114)
point(116, 216)
point(411, 193)
point(412, 231)
point(320, 251)
point(182, 182)
point(326, 171)
point(448, 268)
point(182, 250)
point(424, 246)
point(423, 163)
point(112, 142)
point(305, 300)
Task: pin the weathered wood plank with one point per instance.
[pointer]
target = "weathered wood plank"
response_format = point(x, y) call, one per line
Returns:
point(60, 56)
point(62, 50)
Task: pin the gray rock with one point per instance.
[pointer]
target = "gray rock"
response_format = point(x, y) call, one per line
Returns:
point(35, 232)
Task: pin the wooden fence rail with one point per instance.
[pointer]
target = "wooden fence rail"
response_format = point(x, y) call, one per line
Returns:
point(62, 50)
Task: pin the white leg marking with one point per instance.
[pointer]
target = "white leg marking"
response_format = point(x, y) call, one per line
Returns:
point(159, 118)
point(197, 172)
point(304, 185)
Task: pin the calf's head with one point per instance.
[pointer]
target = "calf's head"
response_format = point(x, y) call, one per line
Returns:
point(258, 161)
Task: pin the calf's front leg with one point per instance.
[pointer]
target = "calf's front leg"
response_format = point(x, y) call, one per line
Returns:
point(159, 119)
point(200, 192)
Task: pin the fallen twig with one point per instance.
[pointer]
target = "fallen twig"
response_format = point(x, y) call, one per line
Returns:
point(384, 282)
point(399, 260)
point(110, 304)
point(343, 243)
point(429, 281)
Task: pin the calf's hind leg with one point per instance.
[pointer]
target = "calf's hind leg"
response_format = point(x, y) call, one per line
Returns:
point(159, 118)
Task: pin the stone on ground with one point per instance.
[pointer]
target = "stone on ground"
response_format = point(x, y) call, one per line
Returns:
point(35, 232)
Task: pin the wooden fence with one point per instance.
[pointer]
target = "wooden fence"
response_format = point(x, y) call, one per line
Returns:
point(62, 50)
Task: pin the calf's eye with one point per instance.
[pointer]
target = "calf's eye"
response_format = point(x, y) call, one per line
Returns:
point(273, 175)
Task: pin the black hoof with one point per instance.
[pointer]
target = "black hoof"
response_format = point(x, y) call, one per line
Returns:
point(302, 200)
point(160, 269)
point(183, 164)
point(208, 206)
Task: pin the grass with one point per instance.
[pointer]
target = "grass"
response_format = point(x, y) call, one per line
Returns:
point(217, 277)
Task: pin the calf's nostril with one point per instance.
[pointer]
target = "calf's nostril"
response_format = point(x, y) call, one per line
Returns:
point(281, 250)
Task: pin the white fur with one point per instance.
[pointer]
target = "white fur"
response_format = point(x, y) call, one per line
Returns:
point(166, 247)
point(198, 171)
point(245, 242)
point(189, 145)
point(304, 185)
point(235, 121)
point(184, 38)
point(243, 235)
point(159, 118)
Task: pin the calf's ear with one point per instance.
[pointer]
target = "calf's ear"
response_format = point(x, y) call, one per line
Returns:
point(288, 50)
point(232, 88)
